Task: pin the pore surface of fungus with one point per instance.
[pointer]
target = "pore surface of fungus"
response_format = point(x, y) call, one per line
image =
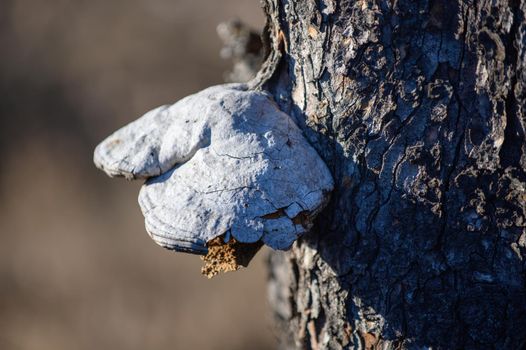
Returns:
point(222, 162)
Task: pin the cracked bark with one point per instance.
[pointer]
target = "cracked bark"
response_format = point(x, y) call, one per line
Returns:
point(418, 108)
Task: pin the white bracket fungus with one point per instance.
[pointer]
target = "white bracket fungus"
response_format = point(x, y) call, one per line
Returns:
point(224, 162)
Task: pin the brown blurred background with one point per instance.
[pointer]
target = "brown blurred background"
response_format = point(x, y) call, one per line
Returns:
point(77, 270)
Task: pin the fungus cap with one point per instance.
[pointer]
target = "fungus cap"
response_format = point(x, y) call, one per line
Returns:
point(224, 161)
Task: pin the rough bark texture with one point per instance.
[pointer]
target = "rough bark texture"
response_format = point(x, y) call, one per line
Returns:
point(419, 109)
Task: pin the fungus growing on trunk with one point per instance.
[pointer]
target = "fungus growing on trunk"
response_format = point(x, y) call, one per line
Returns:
point(224, 162)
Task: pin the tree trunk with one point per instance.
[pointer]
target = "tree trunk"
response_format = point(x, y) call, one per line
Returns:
point(419, 109)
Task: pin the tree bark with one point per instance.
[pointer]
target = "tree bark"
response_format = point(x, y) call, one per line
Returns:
point(419, 109)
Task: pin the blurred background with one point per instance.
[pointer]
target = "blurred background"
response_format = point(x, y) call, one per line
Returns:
point(77, 269)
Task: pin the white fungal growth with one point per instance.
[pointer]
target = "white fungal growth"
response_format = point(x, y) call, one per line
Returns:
point(224, 161)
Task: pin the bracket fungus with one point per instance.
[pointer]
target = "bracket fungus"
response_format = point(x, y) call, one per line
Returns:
point(223, 165)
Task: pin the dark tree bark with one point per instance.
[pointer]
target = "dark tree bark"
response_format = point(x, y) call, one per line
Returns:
point(418, 108)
